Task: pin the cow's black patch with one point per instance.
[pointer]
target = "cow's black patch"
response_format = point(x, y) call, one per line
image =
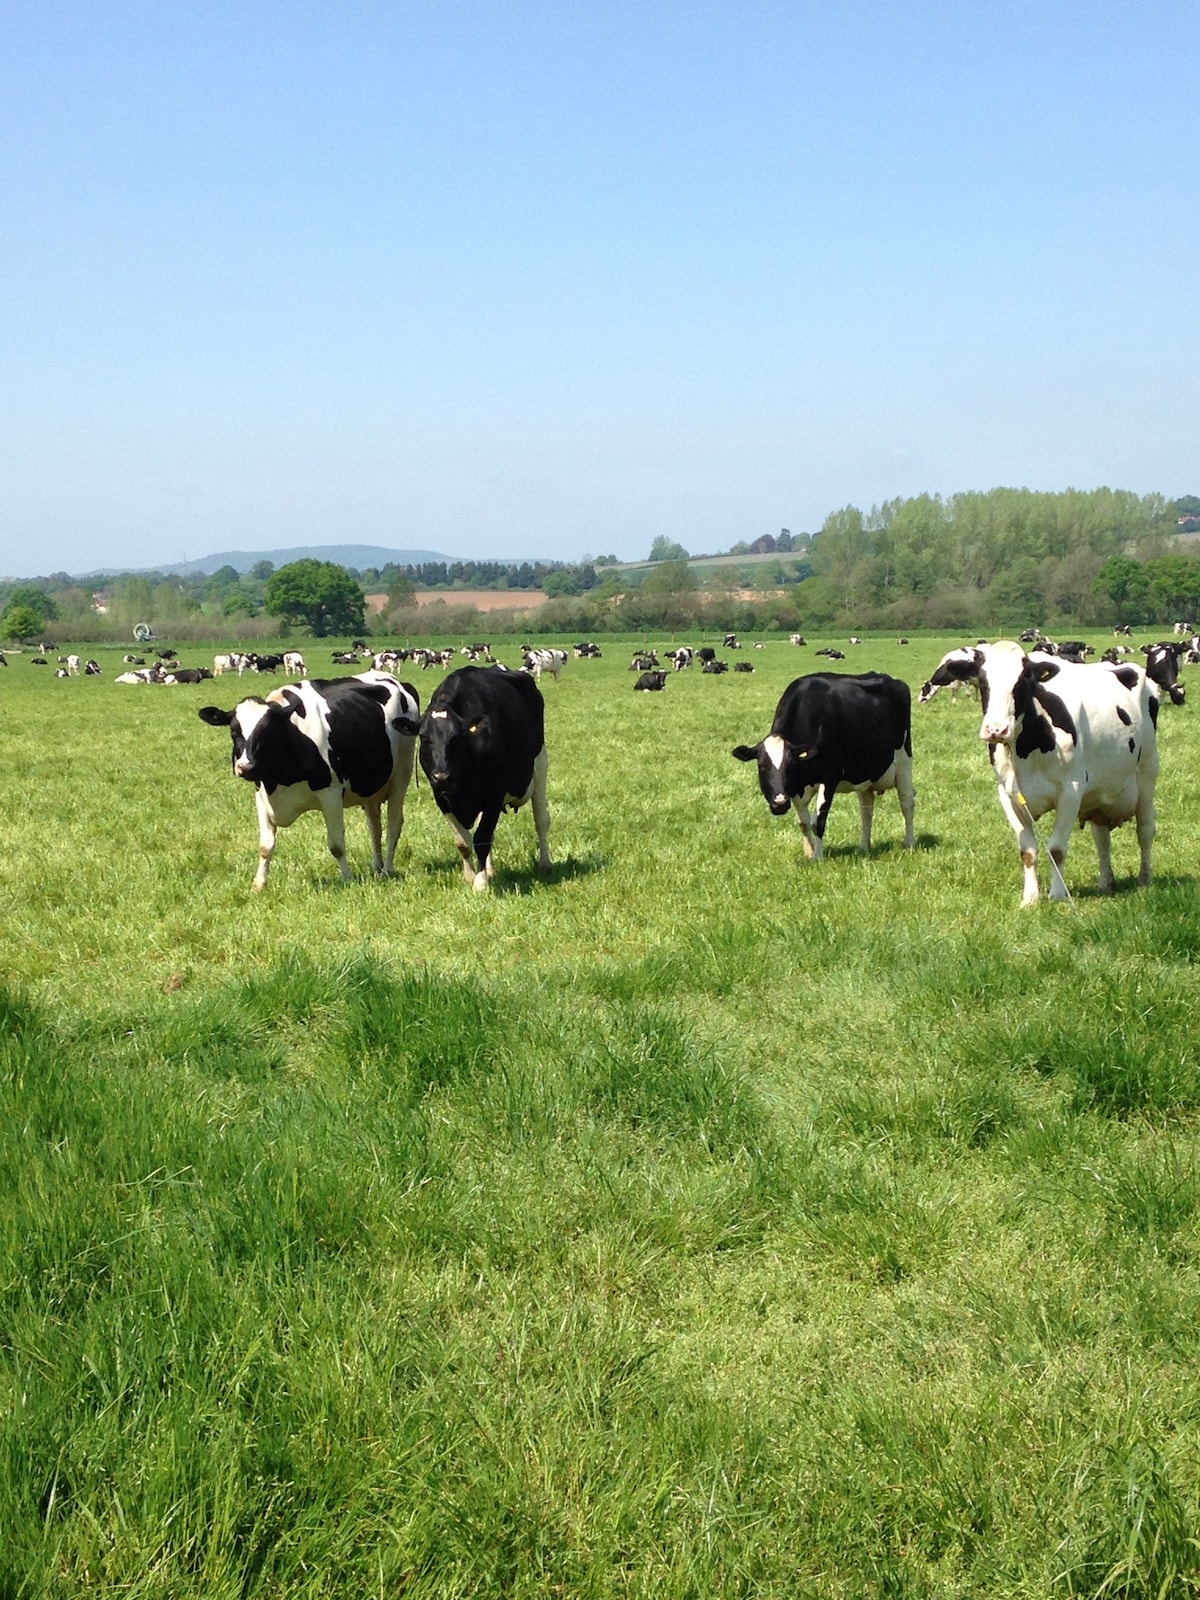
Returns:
point(1124, 716)
point(1128, 676)
point(1132, 744)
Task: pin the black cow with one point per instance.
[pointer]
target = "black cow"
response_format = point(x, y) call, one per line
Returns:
point(706, 654)
point(711, 667)
point(1162, 668)
point(652, 680)
point(326, 743)
point(483, 749)
point(834, 733)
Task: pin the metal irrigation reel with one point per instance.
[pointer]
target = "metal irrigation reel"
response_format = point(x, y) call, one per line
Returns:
point(142, 632)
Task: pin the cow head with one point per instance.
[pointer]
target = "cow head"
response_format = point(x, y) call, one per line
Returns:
point(1014, 699)
point(451, 745)
point(258, 729)
point(784, 770)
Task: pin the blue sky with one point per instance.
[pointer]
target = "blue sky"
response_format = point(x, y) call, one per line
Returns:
point(552, 279)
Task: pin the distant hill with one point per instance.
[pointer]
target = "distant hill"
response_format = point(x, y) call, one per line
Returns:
point(346, 555)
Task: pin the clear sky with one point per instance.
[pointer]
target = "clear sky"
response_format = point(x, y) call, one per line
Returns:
point(553, 278)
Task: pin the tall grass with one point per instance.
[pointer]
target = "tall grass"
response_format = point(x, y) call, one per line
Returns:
point(698, 1221)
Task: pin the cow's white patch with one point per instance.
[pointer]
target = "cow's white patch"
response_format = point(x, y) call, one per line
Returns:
point(439, 715)
point(774, 749)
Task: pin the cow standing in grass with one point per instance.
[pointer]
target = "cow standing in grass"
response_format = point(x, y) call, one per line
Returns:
point(1080, 741)
point(836, 733)
point(483, 749)
point(324, 745)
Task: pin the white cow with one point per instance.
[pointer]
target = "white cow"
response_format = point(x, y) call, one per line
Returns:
point(539, 661)
point(1080, 741)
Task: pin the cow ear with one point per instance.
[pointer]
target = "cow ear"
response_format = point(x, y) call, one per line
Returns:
point(406, 725)
point(745, 752)
point(480, 725)
point(215, 716)
point(1045, 670)
point(291, 704)
point(805, 755)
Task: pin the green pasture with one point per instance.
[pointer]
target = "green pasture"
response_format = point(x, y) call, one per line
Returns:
point(698, 1221)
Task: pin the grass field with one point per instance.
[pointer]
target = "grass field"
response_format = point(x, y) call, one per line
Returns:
point(696, 1222)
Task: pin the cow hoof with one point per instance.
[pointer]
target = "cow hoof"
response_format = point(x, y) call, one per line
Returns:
point(480, 883)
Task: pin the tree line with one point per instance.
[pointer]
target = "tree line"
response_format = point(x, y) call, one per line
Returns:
point(977, 561)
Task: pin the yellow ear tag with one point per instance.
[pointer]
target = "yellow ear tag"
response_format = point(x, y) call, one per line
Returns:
point(474, 728)
point(1022, 799)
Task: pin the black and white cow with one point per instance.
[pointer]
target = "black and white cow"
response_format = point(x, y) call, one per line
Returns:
point(835, 733)
point(1162, 667)
point(538, 661)
point(483, 749)
point(326, 744)
point(652, 680)
point(682, 658)
point(1080, 741)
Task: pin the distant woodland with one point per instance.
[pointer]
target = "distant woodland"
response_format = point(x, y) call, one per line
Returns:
point(977, 561)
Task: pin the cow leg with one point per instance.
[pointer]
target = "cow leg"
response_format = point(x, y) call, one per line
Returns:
point(462, 843)
point(813, 848)
point(1022, 825)
point(1065, 818)
point(866, 812)
point(267, 834)
point(373, 811)
point(824, 806)
point(335, 828)
point(541, 809)
point(395, 806)
point(484, 835)
point(1145, 831)
point(1103, 837)
point(907, 796)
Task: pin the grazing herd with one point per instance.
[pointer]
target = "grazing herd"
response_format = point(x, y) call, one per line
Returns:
point(1064, 735)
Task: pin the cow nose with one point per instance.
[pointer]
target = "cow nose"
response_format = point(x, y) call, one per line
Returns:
point(439, 777)
point(995, 733)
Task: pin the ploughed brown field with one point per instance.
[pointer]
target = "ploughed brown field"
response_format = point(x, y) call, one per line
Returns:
point(481, 599)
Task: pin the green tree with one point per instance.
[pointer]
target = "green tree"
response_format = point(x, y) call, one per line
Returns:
point(563, 582)
point(262, 570)
point(1124, 582)
point(20, 622)
point(36, 600)
point(670, 577)
point(1174, 583)
point(664, 549)
point(316, 594)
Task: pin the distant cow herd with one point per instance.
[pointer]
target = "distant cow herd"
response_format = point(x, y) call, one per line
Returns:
point(1066, 735)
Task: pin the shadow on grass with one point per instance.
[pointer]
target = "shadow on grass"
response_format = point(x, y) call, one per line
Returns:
point(881, 848)
point(525, 878)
